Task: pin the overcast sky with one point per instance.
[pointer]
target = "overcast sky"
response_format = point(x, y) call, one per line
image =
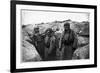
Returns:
point(34, 17)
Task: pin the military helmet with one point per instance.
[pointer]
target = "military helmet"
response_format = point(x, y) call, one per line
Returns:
point(66, 24)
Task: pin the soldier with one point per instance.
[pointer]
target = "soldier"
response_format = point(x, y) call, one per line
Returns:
point(50, 45)
point(67, 43)
point(38, 42)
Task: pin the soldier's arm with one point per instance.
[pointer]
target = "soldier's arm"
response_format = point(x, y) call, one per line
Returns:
point(34, 42)
point(52, 44)
point(75, 43)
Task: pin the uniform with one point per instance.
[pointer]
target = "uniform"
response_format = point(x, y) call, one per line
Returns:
point(50, 45)
point(67, 44)
point(39, 44)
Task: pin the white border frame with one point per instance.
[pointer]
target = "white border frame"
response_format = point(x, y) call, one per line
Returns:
point(20, 65)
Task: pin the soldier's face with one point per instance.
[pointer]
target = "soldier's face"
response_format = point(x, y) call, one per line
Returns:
point(49, 34)
point(36, 31)
point(66, 27)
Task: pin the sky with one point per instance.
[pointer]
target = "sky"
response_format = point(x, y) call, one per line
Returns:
point(35, 17)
